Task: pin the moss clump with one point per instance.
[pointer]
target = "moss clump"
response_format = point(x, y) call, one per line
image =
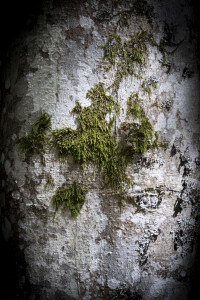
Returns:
point(34, 142)
point(42, 123)
point(139, 8)
point(101, 102)
point(92, 141)
point(63, 141)
point(72, 198)
point(138, 136)
point(127, 56)
point(134, 109)
point(77, 108)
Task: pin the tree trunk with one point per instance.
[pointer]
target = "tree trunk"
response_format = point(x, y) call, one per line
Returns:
point(136, 234)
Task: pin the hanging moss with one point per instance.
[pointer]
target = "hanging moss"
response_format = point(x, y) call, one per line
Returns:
point(127, 57)
point(72, 198)
point(34, 142)
point(112, 49)
point(138, 136)
point(92, 141)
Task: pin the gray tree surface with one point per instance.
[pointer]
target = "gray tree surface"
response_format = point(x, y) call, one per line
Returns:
point(100, 151)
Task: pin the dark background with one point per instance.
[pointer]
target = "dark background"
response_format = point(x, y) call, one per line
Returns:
point(15, 17)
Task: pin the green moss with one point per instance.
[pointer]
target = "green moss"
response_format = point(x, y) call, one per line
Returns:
point(138, 136)
point(101, 102)
point(72, 198)
point(112, 50)
point(62, 141)
point(92, 141)
point(77, 108)
point(34, 142)
point(127, 57)
point(42, 123)
point(134, 109)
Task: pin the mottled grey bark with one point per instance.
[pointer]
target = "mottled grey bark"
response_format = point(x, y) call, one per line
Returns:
point(144, 247)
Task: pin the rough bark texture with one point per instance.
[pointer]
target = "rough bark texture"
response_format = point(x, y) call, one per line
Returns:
point(140, 248)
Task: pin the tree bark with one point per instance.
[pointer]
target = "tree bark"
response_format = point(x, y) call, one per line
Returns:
point(139, 244)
